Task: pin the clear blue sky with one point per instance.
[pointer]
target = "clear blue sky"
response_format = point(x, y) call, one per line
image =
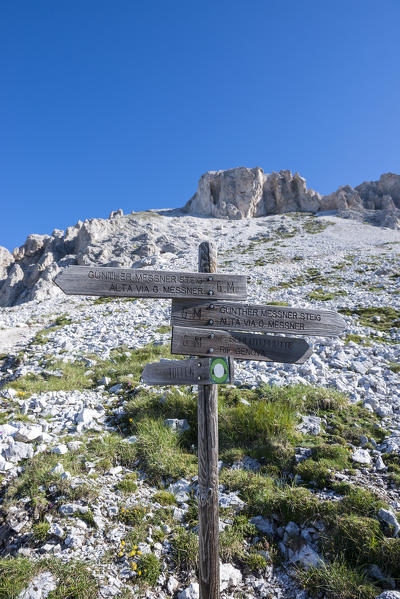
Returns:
point(124, 104)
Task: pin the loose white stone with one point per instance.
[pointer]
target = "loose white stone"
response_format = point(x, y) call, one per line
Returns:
point(191, 592)
point(307, 557)
point(177, 425)
point(40, 587)
point(263, 525)
point(380, 464)
point(18, 451)
point(229, 576)
point(181, 489)
point(361, 456)
point(310, 425)
point(115, 470)
point(26, 434)
point(389, 517)
point(172, 585)
point(56, 530)
point(58, 469)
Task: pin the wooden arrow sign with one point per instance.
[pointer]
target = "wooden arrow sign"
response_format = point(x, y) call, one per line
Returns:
point(129, 282)
point(198, 371)
point(272, 319)
point(243, 346)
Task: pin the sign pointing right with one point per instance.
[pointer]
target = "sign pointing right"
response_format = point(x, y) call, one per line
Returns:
point(252, 317)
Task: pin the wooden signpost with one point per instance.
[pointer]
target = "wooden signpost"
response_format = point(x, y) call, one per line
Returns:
point(203, 325)
point(130, 282)
point(243, 346)
point(245, 317)
point(197, 371)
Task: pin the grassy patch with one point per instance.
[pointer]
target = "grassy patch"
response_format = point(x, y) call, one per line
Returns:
point(337, 580)
point(104, 300)
point(255, 562)
point(314, 225)
point(312, 275)
point(359, 339)
point(75, 580)
point(164, 498)
point(278, 303)
point(41, 337)
point(128, 484)
point(323, 296)
point(184, 545)
point(159, 449)
point(73, 373)
point(376, 317)
point(37, 474)
point(232, 539)
point(148, 569)
point(40, 531)
point(163, 329)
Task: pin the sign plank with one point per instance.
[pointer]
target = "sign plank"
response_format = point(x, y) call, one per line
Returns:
point(249, 317)
point(198, 371)
point(130, 282)
point(243, 346)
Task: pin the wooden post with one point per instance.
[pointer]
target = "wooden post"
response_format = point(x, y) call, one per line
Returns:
point(208, 466)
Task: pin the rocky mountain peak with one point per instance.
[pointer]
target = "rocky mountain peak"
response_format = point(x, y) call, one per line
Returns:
point(249, 192)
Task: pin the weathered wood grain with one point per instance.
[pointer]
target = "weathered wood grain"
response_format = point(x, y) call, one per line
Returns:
point(207, 411)
point(242, 346)
point(254, 317)
point(197, 371)
point(130, 282)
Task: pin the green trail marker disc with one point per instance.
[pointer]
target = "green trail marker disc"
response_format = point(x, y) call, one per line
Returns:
point(219, 370)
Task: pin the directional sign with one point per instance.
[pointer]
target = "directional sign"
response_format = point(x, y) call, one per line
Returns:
point(244, 346)
point(268, 319)
point(129, 282)
point(198, 371)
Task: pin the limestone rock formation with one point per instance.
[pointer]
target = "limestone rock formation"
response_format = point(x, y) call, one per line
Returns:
point(5, 261)
point(374, 201)
point(247, 192)
point(27, 274)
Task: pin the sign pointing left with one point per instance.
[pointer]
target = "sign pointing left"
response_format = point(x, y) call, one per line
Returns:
point(196, 371)
point(131, 282)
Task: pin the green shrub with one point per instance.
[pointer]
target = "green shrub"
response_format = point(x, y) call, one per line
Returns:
point(362, 502)
point(311, 471)
point(40, 531)
point(164, 498)
point(337, 580)
point(74, 578)
point(255, 562)
point(128, 484)
point(232, 539)
point(133, 515)
point(158, 448)
point(184, 545)
point(148, 568)
point(355, 537)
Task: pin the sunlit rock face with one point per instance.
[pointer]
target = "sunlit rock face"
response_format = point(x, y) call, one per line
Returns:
point(247, 192)
point(375, 201)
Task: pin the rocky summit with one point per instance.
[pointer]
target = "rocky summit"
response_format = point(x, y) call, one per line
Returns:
point(99, 493)
point(248, 192)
